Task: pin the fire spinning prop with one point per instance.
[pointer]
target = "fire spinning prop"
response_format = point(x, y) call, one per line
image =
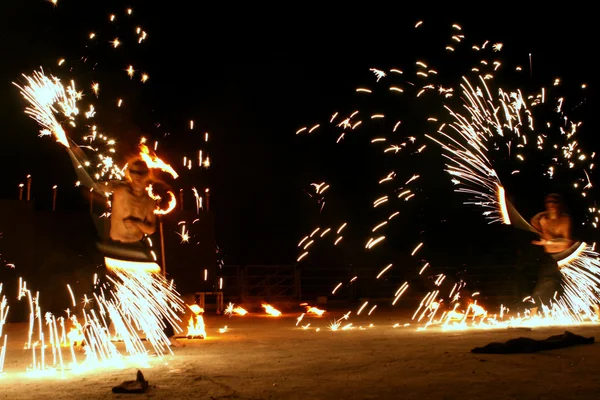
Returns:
point(491, 118)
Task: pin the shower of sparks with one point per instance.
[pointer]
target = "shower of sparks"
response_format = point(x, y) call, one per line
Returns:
point(54, 347)
point(48, 100)
point(508, 117)
point(483, 118)
point(47, 97)
point(144, 299)
point(469, 164)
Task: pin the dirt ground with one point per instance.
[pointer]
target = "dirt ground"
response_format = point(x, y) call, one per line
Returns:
point(262, 357)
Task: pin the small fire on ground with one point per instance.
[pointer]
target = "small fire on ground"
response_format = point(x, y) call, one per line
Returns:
point(196, 328)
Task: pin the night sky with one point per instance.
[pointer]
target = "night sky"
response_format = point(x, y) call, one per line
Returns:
point(252, 76)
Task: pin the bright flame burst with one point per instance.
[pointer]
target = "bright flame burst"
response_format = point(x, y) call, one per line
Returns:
point(154, 162)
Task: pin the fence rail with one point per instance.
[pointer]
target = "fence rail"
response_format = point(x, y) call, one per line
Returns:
point(289, 282)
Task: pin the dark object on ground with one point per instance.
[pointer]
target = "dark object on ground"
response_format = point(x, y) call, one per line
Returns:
point(528, 345)
point(140, 385)
point(519, 328)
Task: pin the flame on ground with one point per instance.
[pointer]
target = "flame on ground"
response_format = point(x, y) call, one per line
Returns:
point(231, 309)
point(196, 328)
point(314, 310)
point(269, 309)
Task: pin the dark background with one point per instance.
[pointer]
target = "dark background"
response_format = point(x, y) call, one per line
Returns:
point(252, 76)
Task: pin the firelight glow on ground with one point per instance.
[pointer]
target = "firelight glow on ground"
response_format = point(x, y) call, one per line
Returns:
point(259, 358)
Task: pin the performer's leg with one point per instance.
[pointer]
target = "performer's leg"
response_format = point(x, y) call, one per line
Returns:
point(170, 333)
point(544, 292)
point(548, 282)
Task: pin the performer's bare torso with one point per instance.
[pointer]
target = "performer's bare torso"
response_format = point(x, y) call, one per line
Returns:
point(128, 210)
point(554, 231)
point(553, 228)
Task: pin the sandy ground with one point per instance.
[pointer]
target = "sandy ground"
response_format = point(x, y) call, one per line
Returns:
point(269, 358)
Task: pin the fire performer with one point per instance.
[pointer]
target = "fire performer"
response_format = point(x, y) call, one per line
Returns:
point(132, 215)
point(554, 228)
